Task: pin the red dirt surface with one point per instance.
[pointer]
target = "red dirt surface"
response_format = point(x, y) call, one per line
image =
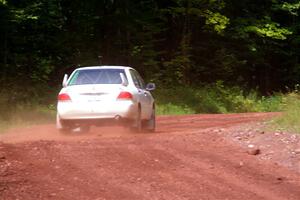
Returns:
point(188, 158)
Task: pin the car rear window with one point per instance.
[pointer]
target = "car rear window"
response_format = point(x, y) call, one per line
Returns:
point(97, 76)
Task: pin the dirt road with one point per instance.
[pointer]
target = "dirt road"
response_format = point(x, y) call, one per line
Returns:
point(186, 159)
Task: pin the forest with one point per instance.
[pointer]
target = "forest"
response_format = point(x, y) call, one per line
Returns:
point(251, 44)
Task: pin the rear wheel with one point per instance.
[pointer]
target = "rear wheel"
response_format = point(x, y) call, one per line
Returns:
point(61, 126)
point(84, 129)
point(69, 126)
point(137, 123)
point(150, 124)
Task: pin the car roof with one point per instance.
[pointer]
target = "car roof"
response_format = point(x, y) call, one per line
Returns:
point(104, 67)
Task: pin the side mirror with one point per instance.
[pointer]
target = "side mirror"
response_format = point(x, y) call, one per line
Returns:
point(124, 79)
point(64, 83)
point(150, 86)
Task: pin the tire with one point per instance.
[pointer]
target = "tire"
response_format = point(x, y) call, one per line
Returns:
point(70, 127)
point(150, 124)
point(61, 127)
point(137, 123)
point(84, 129)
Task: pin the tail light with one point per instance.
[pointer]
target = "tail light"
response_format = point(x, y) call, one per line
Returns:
point(125, 96)
point(63, 97)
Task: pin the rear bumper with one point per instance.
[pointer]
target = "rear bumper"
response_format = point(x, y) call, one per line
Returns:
point(97, 111)
point(96, 122)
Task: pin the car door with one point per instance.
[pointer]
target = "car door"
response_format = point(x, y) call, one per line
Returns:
point(144, 95)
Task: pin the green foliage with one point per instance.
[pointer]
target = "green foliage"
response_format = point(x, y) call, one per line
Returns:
point(3, 2)
point(27, 13)
point(217, 20)
point(214, 98)
point(290, 119)
point(173, 109)
point(292, 8)
point(271, 30)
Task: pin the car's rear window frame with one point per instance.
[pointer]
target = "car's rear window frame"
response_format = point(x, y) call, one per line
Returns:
point(75, 75)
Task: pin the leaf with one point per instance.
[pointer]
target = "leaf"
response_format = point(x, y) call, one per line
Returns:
point(292, 8)
point(217, 20)
point(271, 30)
point(3, 2)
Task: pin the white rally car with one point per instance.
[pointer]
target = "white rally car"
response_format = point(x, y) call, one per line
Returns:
point(101, 95)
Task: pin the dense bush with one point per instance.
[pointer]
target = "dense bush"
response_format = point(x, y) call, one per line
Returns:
point(214, 98)
point(290, 119)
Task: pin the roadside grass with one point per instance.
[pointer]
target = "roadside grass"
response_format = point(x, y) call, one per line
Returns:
point(173, 109)
point(26, 116)
point(214, 99)
point(290, 119)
